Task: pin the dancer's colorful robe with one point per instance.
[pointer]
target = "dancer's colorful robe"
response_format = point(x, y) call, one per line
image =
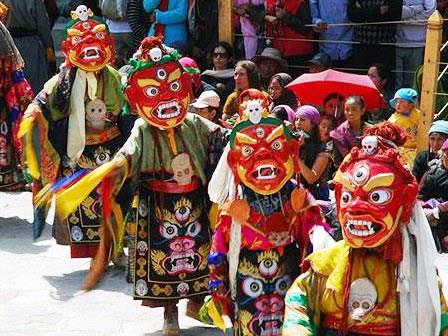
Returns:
point(168, 158)
point(381, 279)
point(172, 227)
point(262, 236)
point(15, 96)
point(73, 125)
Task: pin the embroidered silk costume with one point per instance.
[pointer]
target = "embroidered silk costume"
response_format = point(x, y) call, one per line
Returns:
point(381, 279)
point(73, 127)
point(168, 157)
point(15, 96)
point(261, 235)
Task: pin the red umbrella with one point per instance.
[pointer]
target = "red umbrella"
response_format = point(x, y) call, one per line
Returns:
point(314, 88)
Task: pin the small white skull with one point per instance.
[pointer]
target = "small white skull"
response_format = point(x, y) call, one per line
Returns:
point(254, 110)
point(142, 248)
point(96, 115)
point(83, 12)
point(182, 289)
point(141, 288)
point(77, 234)
point(182, 169)
point(4, 152)
point(142, 208)
point(370, 144)
point(362, 299)
point(155, 54)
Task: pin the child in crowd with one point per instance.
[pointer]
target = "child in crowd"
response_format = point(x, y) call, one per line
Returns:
point(333, 105)
point(407, 116)
point(313, 157)
point(346, 135)
point(326, 126)
point(207, 105)
point(284, 113)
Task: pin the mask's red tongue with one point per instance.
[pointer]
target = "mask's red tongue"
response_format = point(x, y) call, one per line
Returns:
point(91, 52)
point(169, 110)
point(266, 171)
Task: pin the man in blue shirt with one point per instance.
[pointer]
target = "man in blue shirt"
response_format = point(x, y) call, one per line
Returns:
point(325, 12)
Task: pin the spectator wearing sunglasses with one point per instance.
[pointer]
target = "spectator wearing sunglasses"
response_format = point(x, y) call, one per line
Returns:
point(221, 75)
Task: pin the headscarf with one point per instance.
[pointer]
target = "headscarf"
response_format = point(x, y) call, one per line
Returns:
point(439, 126)
point(309, 112)
point(289, 112)
point(191, 67)
point(287, 97)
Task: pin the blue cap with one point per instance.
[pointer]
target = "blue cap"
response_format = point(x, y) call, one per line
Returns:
point(407, 94)
point(439, 126)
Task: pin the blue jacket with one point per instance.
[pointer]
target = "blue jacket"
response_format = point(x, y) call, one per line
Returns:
point(174, 19)
point(333, 11)
point(413, 34)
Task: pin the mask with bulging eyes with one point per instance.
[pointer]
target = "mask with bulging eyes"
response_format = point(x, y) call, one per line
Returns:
point(262, 156)
point(88, 44)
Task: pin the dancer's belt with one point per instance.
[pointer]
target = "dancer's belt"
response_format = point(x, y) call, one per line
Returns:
point(173, 187)
point(105, 136)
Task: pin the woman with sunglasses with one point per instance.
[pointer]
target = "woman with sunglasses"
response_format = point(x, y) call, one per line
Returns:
point(221, 75)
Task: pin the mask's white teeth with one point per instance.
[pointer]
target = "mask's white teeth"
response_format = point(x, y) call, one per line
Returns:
point(360, 228)
point(273, 172)
point(163, 107)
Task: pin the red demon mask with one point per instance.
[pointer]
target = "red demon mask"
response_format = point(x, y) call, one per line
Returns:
point(88, 44)
point(158, 89)
point(262, 155)
point(374, 194)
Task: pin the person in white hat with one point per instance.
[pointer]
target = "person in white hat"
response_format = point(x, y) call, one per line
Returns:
point(207, 105)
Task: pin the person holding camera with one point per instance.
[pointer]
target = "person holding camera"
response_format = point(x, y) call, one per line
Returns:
point(313, 157)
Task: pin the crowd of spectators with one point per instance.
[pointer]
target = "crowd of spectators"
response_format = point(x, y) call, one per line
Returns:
point(276, 41)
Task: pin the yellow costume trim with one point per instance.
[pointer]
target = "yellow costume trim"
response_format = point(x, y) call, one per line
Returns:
point(68, 200)
point(332, 263)
point(275, 134)
point(3, 9)
point(216, 316)
point(172, 140)
point(26, 131)
point(245, 139)
point(379, 180)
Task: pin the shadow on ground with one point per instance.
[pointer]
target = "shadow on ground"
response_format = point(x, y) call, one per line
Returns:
point(70, 284)
point(195, 331)
point(17, 236)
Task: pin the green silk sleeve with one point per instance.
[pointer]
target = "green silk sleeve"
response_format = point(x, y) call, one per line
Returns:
point(299, 311)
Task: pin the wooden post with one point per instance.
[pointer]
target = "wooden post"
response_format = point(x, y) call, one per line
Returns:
point(225, 21)
point(429, 81)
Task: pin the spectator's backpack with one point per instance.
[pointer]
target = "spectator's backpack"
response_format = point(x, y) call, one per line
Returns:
point(114, 9)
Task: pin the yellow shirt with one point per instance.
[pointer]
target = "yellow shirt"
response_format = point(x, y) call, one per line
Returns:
point(410, 124)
